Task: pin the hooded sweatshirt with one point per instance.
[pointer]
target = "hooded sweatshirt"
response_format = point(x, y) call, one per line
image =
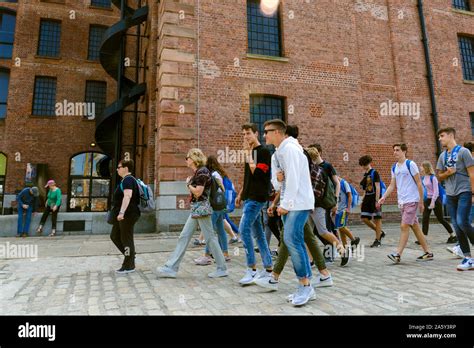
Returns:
point(298, 192)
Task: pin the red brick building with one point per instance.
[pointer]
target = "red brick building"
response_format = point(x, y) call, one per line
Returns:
point(338, 69)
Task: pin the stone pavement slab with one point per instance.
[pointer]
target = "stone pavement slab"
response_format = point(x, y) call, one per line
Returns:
point(74, 275)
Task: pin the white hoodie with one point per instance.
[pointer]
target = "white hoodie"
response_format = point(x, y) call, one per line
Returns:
point(298, 192)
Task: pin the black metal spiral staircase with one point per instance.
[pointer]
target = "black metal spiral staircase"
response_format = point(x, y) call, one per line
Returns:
point(108, 125)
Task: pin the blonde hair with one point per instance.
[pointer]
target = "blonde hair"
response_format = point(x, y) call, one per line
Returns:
point(198, 157)
point(313, 153)
point(428, 168)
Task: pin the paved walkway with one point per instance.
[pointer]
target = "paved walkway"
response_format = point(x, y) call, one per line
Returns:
point(74, 275)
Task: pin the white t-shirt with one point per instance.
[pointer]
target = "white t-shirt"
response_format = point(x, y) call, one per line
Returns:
point(407, 189)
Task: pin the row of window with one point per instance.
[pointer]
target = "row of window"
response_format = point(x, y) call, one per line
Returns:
point(44, 96)
point(49, 38)
point(97, 3)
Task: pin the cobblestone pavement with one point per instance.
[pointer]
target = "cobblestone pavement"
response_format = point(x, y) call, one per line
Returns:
point(74, 275)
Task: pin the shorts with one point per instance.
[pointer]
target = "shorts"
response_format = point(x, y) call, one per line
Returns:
point(368, 209)
point(409, 213)
point(341, 219)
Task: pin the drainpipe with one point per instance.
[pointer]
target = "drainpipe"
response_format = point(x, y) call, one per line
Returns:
point(118, 134)
point(429, 75)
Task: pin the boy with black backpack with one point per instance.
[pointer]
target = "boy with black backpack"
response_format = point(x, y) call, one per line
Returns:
point(325, 199)
point(373, 188)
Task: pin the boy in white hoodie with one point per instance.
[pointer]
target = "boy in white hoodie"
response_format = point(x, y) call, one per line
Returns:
point(296, 202)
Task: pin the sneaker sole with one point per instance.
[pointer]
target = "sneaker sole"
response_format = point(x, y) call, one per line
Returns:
point(311, 298)
point(462, 270)
point(267, 286)
point(323, 285)
point(424, 260)
point(394, 260)
point(219, 276)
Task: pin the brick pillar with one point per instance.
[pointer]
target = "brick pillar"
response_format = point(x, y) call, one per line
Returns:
point(175, 106)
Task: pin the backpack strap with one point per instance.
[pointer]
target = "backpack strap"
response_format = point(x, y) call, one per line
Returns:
point(408, 164)
point(393, 168)
point(343, 188)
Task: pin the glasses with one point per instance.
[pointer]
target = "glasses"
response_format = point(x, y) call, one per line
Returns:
point(268, 130)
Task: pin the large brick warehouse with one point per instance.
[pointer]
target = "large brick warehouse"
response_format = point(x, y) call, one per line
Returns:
point(355, 75)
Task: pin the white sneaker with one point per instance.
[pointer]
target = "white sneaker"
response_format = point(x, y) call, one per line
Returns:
point(320, 282)
point(267, 282)
point(466, 265)
point(249, 277)
point(456, 250)
point(290, 297)
point(303, 295)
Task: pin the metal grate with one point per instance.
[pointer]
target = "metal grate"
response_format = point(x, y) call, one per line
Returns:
point(96, 34)
point(96, 92)
point(49, 38)
point(462, 5)
point(265, 108)
point(264, 35)
point(466, 45)
point(44, 98)
point(471, 114)
point(101, 3)
point(74, 225)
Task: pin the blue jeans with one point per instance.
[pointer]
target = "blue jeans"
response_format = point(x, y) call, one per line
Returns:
point(293, 225)
point(251, 223)
point(218, 226)
point(459, 209)
point(235, 229)
point(24, 229)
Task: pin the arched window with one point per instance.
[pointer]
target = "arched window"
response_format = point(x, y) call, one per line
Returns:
point(3, 172)
point(7, 32)
point(88, 191)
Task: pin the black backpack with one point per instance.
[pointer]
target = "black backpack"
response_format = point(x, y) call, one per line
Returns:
point(217, 196)
point(323, 188)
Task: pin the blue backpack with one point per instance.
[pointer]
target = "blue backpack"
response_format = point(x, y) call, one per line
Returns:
point(442, 191)
point(147, 200)
point(383, 187)
point(355, 194)
point(230, 194)
point(453, 159)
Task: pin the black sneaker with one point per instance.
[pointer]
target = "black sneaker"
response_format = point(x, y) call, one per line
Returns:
point(355, 242)
point(376, 244)
point(123, 270)
point(452, 239)
point(395, 257)
point(256, 250)
point(417, 242)
point(344, 260)
point(425, 257)
point(382, 235)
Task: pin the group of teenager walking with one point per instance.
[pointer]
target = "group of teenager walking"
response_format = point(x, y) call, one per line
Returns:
point(302, 200)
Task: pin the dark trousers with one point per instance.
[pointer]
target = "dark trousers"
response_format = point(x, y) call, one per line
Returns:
point(54, 216)
point(122, 237)
point(438, 210)
point(276, 225)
